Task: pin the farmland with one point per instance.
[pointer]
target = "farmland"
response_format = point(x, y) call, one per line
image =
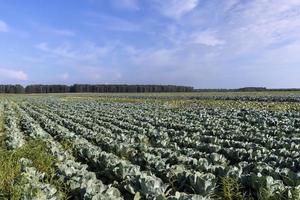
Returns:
point(174, 146)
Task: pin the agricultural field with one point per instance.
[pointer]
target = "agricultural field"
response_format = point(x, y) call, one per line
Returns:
point(175, 146)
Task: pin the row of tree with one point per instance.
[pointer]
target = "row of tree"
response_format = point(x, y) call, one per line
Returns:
point(82, 88)
point(12, 89)
point(244, 89)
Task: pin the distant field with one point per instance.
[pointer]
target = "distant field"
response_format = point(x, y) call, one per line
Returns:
point(176, 94)
point(177, 146)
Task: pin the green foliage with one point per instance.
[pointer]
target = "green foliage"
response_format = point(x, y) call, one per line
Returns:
point(160, 147)
point(66, 144)
point(10, 168)
point(230, 189)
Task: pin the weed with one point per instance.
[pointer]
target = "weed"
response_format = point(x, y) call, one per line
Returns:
point(10, 169)
point(230, 190)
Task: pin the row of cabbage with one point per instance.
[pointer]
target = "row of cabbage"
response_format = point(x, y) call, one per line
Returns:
point(74, 174)
point(80, 181)
point(32, 179)
point(275, 146)
point(129, 178)
point(195, 146)
point(119, 147)
point(246, 97)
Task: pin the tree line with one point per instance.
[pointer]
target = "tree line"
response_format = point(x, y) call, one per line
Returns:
point(244, 89)
point(100, 88)
point(121, 88)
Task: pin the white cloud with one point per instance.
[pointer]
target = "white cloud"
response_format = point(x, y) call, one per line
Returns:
point(255, 33)
point(157, 57)
point(207, 38)
point(175, 8)
point(3, 26)
point(229, 4)
point(12, 75)
point(89, 52)
point(112, 23)
point(100, 74)
point(182, 64)
point(60, 32)
point(258, 25)
point(241, 42)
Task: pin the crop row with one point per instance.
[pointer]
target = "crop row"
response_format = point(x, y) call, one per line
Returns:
point(275, 164)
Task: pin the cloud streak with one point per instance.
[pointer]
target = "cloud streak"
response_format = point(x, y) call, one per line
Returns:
point(12, 75)
point(175, 8)
point(60, 32)
point(207, 38)
point(3, 26)
point(87, 52)
point(111, 23)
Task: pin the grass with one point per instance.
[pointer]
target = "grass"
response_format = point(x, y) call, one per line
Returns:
point(210, 103)
point(11, 180)
point(10, 168)
point(66, 145)
point(272, 106)
point(177, 103)
point(230, 189)
point(228, 104)
point(151, 94)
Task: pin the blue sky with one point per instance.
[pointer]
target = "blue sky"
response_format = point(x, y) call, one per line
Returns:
point(203, 43)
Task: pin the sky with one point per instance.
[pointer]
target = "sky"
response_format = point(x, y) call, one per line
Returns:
point(200, 43)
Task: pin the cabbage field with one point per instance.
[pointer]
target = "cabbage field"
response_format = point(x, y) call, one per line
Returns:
point(159, 147)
